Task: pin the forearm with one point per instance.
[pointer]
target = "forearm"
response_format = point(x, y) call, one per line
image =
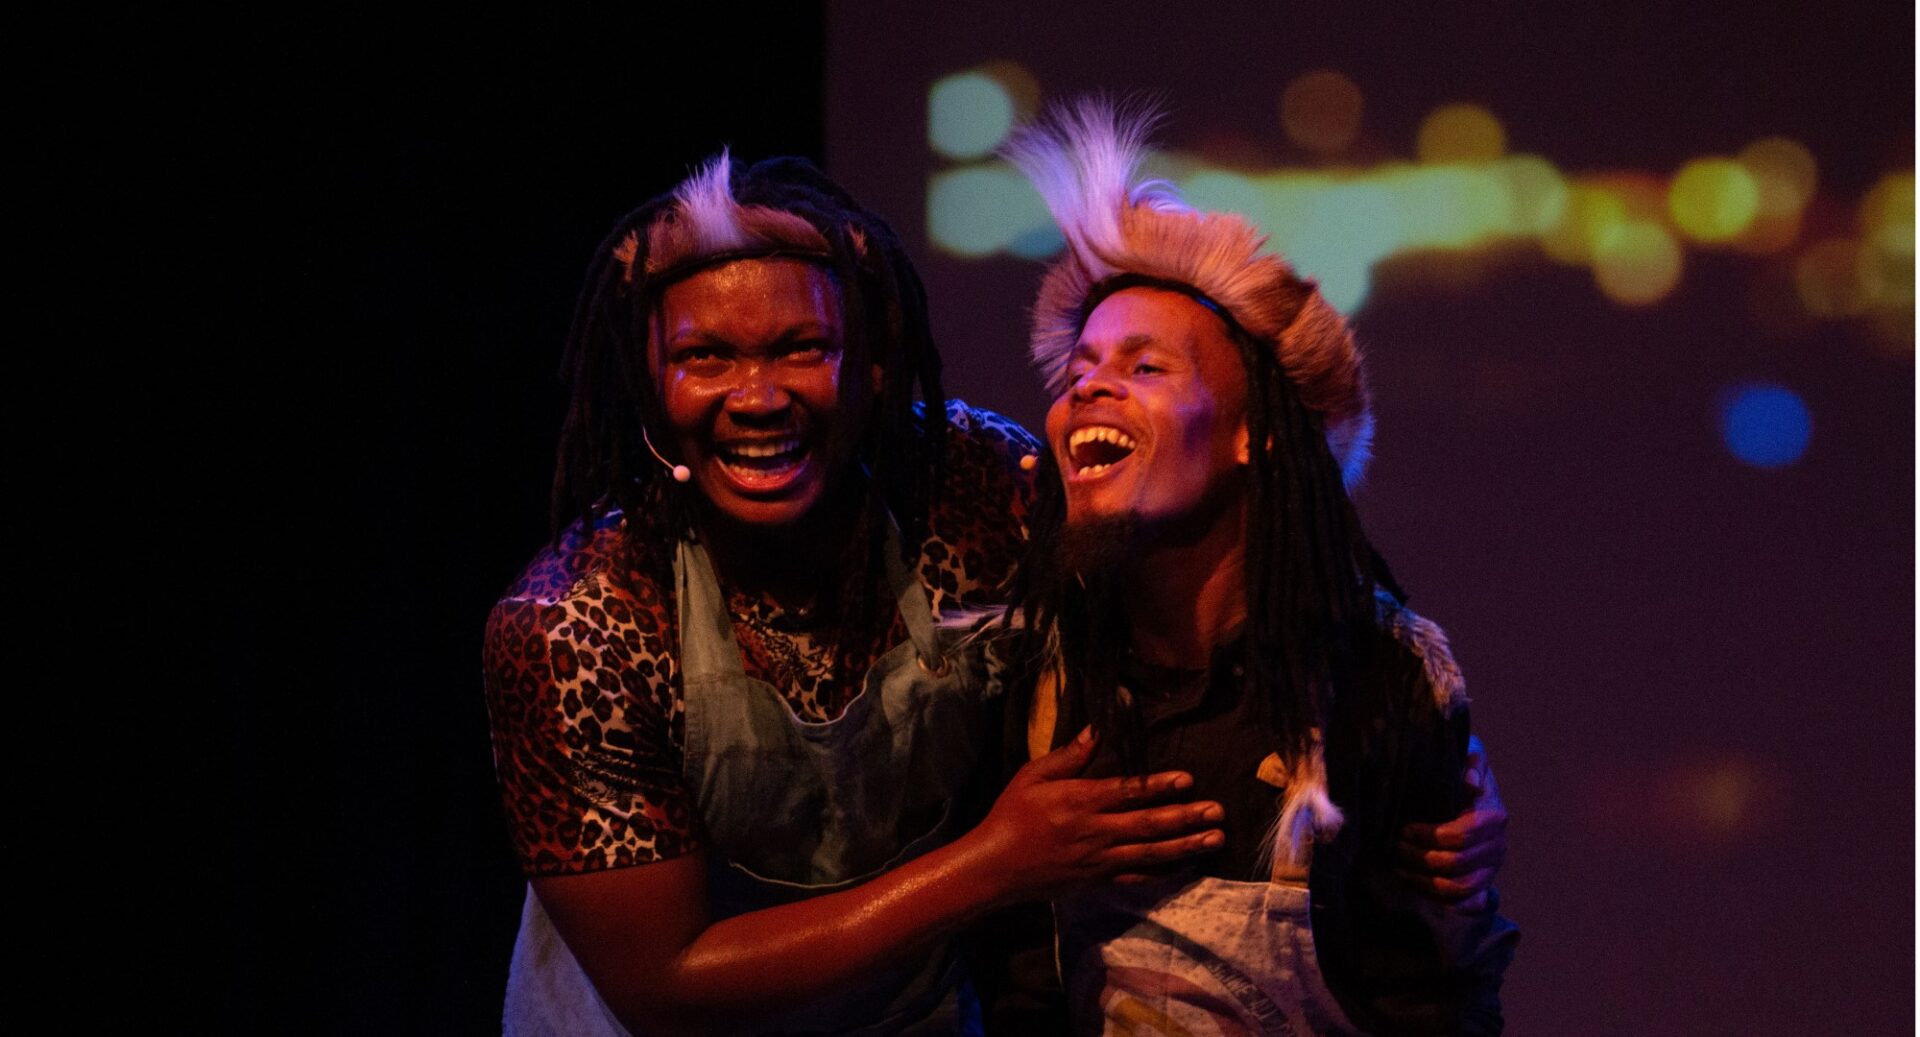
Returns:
point(755, 965)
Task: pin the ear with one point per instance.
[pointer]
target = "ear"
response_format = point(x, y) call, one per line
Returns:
point(1241, 439)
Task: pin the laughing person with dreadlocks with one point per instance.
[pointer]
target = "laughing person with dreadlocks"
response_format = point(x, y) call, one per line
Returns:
point(736, 752)
point(1199, 589)
point(734, 748)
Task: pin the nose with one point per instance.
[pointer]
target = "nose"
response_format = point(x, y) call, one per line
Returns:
point(759, 393)
point(1097, 382)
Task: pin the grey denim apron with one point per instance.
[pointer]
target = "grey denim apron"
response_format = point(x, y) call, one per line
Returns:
point(793, 809)
point(1207, 956)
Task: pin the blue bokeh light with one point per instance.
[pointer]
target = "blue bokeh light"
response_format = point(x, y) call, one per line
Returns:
point(1765, 425)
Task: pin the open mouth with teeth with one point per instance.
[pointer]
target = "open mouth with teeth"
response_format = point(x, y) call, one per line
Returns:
point(1095, 448)
point(762, 463)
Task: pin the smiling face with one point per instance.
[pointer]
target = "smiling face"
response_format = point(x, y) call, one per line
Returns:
point(1152, 423)
point(747, 358)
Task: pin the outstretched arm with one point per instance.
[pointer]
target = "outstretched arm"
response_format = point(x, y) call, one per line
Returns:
point(645, 937)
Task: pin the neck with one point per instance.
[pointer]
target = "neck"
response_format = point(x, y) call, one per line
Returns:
point(1186, 595)
point(795, 564)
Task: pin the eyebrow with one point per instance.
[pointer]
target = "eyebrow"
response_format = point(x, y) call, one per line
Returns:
point(1131, 344)
point(803, 330)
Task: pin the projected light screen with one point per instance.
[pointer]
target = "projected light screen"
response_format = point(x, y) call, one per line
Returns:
point(1461, 192)
point(1635, 282)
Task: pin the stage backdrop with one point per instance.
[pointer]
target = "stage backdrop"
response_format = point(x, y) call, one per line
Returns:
point(1636, 289)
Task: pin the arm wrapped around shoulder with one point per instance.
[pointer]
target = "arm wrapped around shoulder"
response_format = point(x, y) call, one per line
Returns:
point(1398, 960)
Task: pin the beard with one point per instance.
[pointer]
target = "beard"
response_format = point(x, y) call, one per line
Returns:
point(1098, 547)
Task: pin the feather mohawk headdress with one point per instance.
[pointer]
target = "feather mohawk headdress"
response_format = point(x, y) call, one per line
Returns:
point(705, 227)
point(1084, 158)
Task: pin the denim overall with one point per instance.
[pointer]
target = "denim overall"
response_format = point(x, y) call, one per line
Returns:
point(1192, 956)
point(1207, 956)
point(792, 809)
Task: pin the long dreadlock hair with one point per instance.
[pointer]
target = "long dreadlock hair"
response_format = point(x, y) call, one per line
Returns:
point(1312, 579)
point(603, 461)
point(1311, 612)
point(1312, 575)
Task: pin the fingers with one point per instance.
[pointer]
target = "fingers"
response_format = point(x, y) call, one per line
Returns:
point(1136, 826)
point(1461, 891)
point(1429, 860)
point(1474, 826)
point(1133, 858)
point(1064, 762)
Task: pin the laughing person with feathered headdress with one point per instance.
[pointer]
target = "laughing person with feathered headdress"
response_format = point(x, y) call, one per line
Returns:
point(1198, 588)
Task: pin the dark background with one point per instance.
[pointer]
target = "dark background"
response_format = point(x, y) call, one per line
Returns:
point(381, 228)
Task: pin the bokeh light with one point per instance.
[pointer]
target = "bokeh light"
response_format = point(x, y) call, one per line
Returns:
point(1320, 111)
point(1765, 425)
point(1466, 194)
point(1784, 172)
point(1638, 263)
point(968, 115)
point(1344, 231)
point(1886, 266)
point(1590, 218)
point(1461, 133)
point(978, 210)
point(1829, 280)
point(1537, 191)
point(1890, 202)
point(1886, 256)
point(1713, 199)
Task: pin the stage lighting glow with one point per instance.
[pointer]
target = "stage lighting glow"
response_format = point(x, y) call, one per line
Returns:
point(1886, 258)
point(1222, 190)
point(1765, 425)
point(1889, 203)
point(1590, 219)
point(1829, 280)
point(1460, 133)
point(1886, 265)
point(1320, 111)
point(1450, 207)
point(978, 210)
point(1713, 199)
point(1638, 264)
point(1536, 190)
point(1345, 230)
point(968, 115)
point(1785, 173)
point(1722, 796)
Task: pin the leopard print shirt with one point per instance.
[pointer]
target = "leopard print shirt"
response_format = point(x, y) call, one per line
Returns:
point(584, 691)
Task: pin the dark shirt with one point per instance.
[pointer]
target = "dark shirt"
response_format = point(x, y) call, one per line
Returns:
point(1395, 744)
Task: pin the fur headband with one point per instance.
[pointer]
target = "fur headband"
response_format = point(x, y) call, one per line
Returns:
point(1083, 159)
point(705, 227)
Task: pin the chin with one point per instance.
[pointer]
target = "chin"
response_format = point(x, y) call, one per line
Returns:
point(762, 514)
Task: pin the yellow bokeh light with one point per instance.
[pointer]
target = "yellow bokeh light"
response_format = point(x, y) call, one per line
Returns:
point(1890, 203)
point(1321, 111)
point(1461, 133)
point(1829, 279)
point(1713, 199)
point(1537, 191)
point(1588, 220)
point(1639, 263)
point(1785, 173)
point(1886, 265)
